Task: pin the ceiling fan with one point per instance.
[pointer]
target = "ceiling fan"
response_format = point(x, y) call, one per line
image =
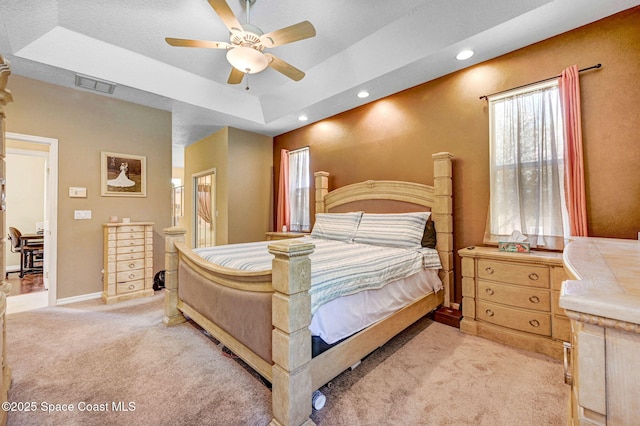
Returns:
point(245, 49)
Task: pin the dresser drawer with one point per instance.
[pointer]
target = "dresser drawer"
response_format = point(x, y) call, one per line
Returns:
point(121, 257)
point(128, 243)
point(130, 249)
point(129, 265)
point(130, 235)
point(130, 286)
point(520, 297)
point(514, 273)
point(122, 277)
point(517, 319)
point(130, 228)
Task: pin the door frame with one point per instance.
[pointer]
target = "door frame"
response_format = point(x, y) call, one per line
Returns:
point(50, 262)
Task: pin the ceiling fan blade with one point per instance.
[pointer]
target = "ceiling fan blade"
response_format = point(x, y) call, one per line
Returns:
point(284, 67)
point(226, 14)
point(235, 77)
point(181, 42)
point(289, 34)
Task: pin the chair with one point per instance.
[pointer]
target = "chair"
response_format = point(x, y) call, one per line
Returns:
point(29, 253)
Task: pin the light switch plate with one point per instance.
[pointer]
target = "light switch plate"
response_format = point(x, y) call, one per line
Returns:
point(82, 214)
point(77, 192)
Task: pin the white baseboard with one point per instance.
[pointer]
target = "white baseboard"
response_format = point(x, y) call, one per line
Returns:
point(80, 298)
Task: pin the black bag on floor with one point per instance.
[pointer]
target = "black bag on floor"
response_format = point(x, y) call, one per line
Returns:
point(158, 281)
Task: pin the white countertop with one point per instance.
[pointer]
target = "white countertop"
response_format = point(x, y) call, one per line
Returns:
point(606, 274)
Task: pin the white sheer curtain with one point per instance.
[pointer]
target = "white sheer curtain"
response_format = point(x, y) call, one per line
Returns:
point(527, 170)
point(299, 186)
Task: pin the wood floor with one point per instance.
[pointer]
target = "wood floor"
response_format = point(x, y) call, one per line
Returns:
point(30, 283)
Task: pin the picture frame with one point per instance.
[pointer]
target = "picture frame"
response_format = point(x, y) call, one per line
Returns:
point(123, 175)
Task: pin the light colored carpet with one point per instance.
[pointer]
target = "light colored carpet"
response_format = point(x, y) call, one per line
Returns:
point(103, 355)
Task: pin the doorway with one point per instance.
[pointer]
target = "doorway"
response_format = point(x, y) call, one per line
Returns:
point(46, 149)
point(204, 220)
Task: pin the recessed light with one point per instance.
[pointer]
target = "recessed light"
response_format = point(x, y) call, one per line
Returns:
point(303, 118)
point(465, 54)
point(363, 94)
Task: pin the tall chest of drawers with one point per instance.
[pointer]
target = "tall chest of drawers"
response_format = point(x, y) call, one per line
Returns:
point(513, 298)
point(128, 261)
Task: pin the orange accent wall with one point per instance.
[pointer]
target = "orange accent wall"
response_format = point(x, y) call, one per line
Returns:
point(394, 137)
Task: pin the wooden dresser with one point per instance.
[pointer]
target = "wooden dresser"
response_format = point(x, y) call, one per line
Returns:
point(512, 298)
point(128, 261)
point(603, 301)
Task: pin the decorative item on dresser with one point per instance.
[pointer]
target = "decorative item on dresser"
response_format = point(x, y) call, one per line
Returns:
point(512, 298)
point(603, 302)
point(128, 261)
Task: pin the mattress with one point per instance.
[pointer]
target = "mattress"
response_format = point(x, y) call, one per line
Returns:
point(338, 268)
point(344, 316)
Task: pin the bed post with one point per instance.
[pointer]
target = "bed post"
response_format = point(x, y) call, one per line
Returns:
point(443, 217)
point(322, 189)
point(172, 315)
point(291, 338)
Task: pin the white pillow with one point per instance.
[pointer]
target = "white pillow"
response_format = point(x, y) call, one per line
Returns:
point(403, 230)
point(336, 226)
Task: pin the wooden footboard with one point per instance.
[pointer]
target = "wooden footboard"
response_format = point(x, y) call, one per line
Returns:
point(291, 315)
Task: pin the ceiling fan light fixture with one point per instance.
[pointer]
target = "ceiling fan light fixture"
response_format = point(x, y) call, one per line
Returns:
point(247, 59)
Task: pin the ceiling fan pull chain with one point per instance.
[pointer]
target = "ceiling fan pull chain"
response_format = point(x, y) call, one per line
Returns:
point(247, 79)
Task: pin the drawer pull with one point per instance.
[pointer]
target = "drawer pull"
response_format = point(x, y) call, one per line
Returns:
point(489, 270)
point(534, 323)
point(131, 287)
point(489, 291)
point(568, 379)
point(533, 276)
point(489, 312)
point(534, 299)
point(132, 276)
point(132, 265)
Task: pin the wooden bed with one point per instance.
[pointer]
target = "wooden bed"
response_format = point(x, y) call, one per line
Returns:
point(294, 374)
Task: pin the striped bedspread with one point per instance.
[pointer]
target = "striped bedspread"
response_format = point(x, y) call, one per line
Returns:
point(337, 268)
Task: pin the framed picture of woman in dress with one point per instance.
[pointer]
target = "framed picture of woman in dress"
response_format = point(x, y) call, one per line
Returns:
point(123, 175)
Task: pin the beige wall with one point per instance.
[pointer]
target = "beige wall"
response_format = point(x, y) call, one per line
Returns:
point(243, 163)
point(250, 185)
point(86, 124)
point(393, 138)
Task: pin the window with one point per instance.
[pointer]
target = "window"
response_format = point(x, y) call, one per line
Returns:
point(527, 167)
point(299, 187)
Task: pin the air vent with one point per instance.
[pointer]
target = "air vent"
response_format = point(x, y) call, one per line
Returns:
point(91, 83)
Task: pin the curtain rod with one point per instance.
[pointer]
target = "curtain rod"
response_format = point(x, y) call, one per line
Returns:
point(299, 149)
point(536, 82)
